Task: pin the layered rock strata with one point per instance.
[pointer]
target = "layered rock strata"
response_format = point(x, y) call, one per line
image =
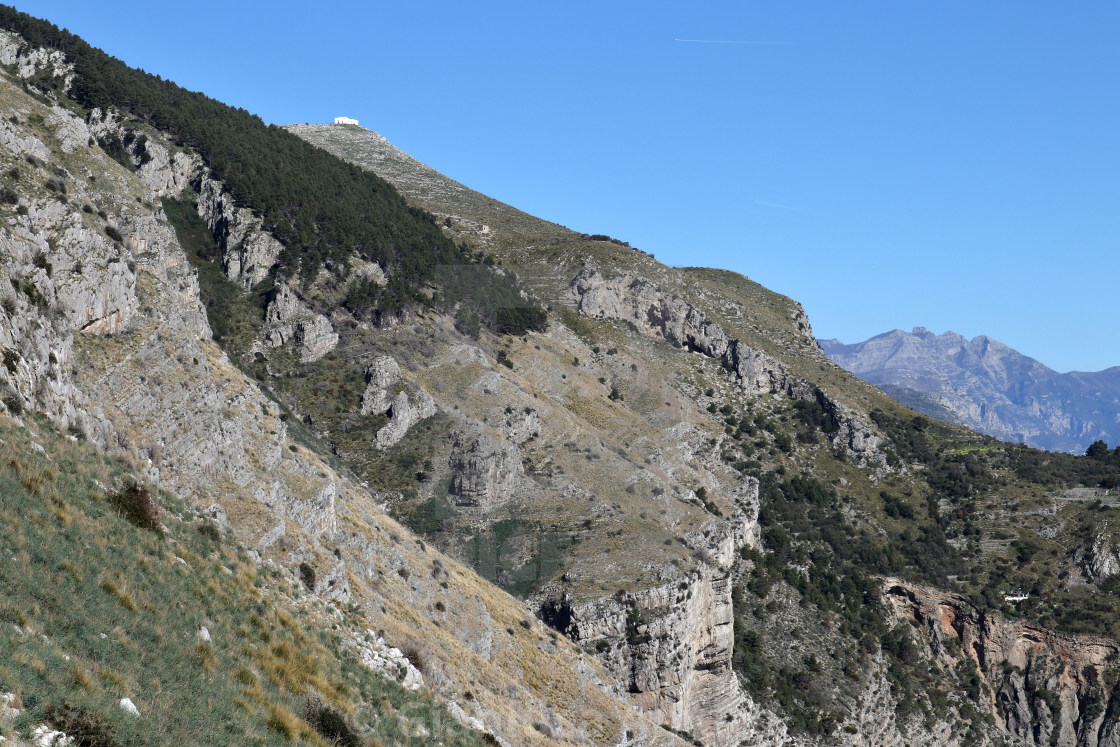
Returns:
point(1043, 688)
point(484, 471)
point(672, 645)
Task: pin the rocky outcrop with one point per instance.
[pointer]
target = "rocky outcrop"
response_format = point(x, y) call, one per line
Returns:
point(1042, 687)
point(520, 426)
point(484, 472)
point(656, 313)
point(385, 394)
point(859, 440)
point(1102, 562)
point(30, 61)
point(405, 412)
point(287, 319)
point(381, 375)
point(248, 252)
point(672, 645)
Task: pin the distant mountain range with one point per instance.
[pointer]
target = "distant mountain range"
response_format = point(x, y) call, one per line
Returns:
point(988, 386)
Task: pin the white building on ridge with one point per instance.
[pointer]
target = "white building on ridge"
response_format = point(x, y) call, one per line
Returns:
point(345, 120)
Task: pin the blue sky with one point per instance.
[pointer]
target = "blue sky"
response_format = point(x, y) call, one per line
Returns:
point(954, 165)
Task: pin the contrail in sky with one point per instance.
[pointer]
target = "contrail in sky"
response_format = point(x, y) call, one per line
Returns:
point(776, 205)
point(736, 41)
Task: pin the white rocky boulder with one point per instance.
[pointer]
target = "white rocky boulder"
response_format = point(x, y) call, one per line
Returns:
point(288, 319)
point(404, 413)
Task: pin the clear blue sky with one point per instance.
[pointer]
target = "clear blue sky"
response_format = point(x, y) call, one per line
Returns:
point(954, 165)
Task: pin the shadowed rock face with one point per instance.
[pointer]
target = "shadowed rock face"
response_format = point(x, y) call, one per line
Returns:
point(1044, 688)
point(988, 386)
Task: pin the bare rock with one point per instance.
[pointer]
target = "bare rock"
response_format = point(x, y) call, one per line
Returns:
point(10, 706)
point(368, 270)
point(382, 374)
point(30, 61)
point(1016, 660)
point(378, 656)
point(522, 425)
point(675, 657)
point(1102, 561)
point(287, 319)
point(484, 472)
point(658, 314)
point(248, 252)
point(404, 413)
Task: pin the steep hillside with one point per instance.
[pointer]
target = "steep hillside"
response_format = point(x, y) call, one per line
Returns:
point(113, 593)
point(774, 407)
point(988, 386)
point(104, 332)
point(696, 520)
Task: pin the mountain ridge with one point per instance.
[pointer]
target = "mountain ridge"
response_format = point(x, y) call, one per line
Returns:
point(663, 507)
point(990, 386)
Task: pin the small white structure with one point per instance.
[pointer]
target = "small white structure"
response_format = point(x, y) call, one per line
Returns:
point(345, 120)
point(1016, 597)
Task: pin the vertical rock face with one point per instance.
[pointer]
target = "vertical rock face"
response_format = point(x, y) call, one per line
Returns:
point(484, 472)
point(287, 319)
point(672, 644)
point(1045, 688)
point(382, 374)
point(248, 252)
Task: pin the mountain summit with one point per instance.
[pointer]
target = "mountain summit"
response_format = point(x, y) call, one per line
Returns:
point(989, 386)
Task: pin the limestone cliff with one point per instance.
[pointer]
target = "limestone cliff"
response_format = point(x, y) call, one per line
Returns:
point(103, 331)
point(1042, 687)
point(671, 645)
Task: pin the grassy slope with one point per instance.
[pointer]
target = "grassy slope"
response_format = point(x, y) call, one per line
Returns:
point(107, 610)
point(991, 500)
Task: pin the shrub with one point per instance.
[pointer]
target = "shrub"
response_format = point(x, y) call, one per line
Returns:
point(135, 504)
point(113, 234)
point(8, 196)
point(307, 575)
point(210, 531)
point(329, 723)
point(414, 657)
point(14, 404)
point(82, 727)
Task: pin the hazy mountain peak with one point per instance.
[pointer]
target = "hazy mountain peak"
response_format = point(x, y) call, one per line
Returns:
point(988, 386)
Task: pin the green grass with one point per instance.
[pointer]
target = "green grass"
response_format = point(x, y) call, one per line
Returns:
point(106, 610)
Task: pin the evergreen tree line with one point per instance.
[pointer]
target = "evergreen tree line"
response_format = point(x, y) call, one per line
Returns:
point(321, 208)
